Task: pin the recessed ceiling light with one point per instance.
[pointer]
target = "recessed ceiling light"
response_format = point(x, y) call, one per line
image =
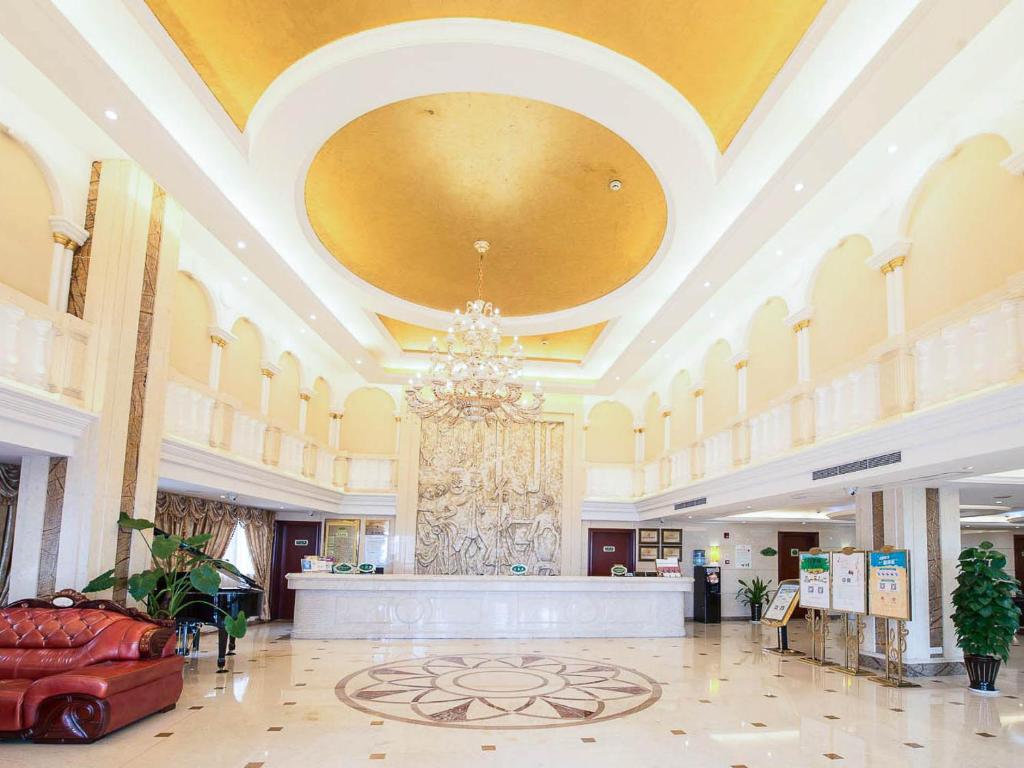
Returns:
point(778, 251)
point(893, 149)
point(359, 362)
point(110, 114)
point(241, 245)
point(245, 278)
point(654, 341)
point(618, 378)
point(968, 469)
point(711, 315)
point(798, 187)
point(312, 317)
point(707, 283)
point(614, 185)
point(302, 330)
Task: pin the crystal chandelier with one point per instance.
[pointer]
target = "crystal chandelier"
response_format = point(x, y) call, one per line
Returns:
point(471, 378)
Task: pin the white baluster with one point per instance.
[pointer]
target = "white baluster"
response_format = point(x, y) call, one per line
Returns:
point(34, 337)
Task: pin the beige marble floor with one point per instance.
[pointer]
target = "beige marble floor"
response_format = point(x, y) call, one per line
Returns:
point(723, 703)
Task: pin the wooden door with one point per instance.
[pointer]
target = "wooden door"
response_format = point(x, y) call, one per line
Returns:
point(790, 543)
point(608, 547)
point(1018, 557)
point(293, 540)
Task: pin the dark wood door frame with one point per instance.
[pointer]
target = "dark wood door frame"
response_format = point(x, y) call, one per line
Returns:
point(277, 560)
point(784, 553)
point(631, 565)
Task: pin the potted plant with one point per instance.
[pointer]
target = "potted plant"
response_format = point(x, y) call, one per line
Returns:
point(756, 595)
point(164, 587)
point(985, 615)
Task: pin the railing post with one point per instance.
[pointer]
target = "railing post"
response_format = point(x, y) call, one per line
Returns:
point(272, 446)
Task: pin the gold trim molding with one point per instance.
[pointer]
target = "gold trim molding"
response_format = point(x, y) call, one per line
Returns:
point(893, 264)
point(801, 325)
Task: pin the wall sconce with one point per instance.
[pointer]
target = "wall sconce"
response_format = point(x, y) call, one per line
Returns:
point(714, 554)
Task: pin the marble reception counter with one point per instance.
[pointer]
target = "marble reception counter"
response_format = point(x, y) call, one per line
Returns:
point(412, 606)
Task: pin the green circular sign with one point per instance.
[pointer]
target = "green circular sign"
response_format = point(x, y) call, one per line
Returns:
point(518, 569)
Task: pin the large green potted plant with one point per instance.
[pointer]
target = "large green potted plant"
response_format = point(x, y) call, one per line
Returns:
point(174, 573)
point(984, 615)
point(755, 595)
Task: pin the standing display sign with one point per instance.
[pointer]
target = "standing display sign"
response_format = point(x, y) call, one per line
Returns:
point(849, 582)
point(889, 584)
point(815, 580)
point(779, 611)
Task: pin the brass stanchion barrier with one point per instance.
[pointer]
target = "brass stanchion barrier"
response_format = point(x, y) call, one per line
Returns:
point(895, 648)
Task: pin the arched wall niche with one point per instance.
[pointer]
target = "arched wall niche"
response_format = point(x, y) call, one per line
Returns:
point(26, 204)
point(190, 328)
point(240, 365)
point(771, 347)
point(284, 392)
point(610, 433)
point(318, 413)
point(719, 388)
point(368, 425)
point(683, 423)
point(654, 428)
point(849, 305)
point(966, 227)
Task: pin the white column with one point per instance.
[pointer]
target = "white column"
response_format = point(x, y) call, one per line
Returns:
point(334, 435)
point(217, 345)
point(740, 363)
point(304, 398)
point(398, 431)
point(803, 350)
point(890, 259)
point(698, 411)
point(68, 237)
point(949, 545)
point(28, 528)
point(267, 372)
point(906, 527)
point(638, 444)
point(666, 438)
point(865, 537)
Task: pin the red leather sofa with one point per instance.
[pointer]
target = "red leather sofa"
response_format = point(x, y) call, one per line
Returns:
point(75, 673)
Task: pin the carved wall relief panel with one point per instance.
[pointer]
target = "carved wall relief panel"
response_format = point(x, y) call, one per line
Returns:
point(489, 497)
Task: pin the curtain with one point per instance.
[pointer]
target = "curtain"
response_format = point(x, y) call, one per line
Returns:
point(9, 477)
point(259, 533)
point(188, 516)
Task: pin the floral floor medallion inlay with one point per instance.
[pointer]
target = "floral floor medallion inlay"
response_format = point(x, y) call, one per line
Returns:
point(492, 691)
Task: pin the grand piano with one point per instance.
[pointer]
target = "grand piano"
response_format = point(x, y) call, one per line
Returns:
point(237, 593)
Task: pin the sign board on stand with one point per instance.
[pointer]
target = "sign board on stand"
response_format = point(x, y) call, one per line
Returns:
point(783, 604)
point(889, 584)
point(849, 582)
point(815, 580)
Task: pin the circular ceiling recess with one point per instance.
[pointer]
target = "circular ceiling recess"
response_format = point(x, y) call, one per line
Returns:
point(399, 195)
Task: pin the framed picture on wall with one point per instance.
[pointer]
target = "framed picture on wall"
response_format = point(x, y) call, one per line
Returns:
point(648, 554)
point(672, 536)
point(648, 536)
point(671, 551)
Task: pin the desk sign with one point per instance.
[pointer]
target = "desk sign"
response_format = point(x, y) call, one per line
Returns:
point(782, 604)
point(849, 582)
point(889, 584)
point(815, 580)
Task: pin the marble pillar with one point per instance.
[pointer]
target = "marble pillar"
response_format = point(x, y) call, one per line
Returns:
point(28, 527)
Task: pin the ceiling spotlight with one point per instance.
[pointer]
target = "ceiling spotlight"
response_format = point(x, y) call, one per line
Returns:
point(241, 245)
point(110, 114)
point(654, 341)
point(707, 283)
point(892, 149)
point(359, 362)
point(614, 185)
point(302, 330)
point(798, 187)
point(618, 378)
point(245, 278)
point(968, 469)
point(711, 315)
point(312, 317)
point(778, 251)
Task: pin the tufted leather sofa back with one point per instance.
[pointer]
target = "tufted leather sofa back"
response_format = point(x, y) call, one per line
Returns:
point(37, 642)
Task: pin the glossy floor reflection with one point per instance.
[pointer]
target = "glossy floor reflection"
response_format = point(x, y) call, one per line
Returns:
point(722, 703)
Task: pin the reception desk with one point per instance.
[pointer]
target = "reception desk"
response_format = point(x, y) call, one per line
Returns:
point(409, 606)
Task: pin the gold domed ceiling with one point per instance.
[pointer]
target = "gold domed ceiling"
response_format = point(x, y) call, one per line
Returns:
point(720, 54)
point(400, 194)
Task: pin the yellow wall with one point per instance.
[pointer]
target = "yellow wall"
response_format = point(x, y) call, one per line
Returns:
point(26, 244)
point(966, 229)
point(318, 413)
point(683, 424)
point(848, 298)
point(190, 329)
point(654, 428)
point(772, 350)
point(719, 388)
point(284, 393)
point(240, 365)
point(369, 422)
point(610, 433)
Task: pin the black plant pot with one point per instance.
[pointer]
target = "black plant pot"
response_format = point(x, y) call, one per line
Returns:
point(755, 613)
point(982, 671)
